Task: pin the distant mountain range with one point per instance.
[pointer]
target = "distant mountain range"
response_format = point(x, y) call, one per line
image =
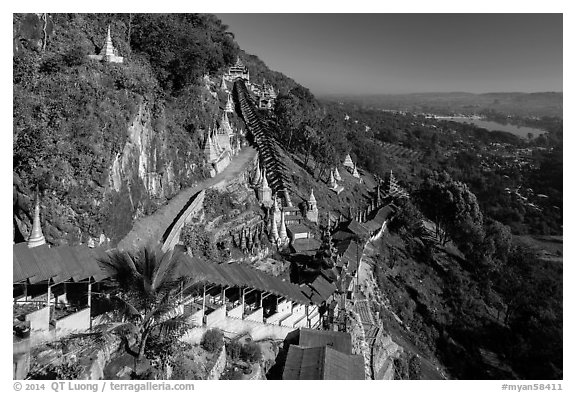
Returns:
point(514, 104)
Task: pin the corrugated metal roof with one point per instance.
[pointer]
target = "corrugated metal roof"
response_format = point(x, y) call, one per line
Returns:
point(382, 215)
point(357, 228)
point(305, 245)
point(348, 250)
point(340, 341)
point(318, 290)
point(235, 274)
point(322, 363)
point(58, 264)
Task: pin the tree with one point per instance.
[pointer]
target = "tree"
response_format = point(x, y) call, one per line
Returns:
point(146, 293)
point(454, 209)
point(212, 340)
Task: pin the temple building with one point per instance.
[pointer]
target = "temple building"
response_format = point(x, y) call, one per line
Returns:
point(238, 70)
point(108, 53)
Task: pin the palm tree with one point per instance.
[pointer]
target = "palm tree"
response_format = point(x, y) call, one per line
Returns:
point(147, 290)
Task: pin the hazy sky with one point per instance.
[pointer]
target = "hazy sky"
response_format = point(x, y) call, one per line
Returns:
point(405, 53)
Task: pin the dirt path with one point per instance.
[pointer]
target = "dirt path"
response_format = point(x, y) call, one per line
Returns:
point(151, 228)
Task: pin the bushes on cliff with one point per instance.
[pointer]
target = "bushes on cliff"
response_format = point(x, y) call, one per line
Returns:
point(212, 340)
point(182, 47)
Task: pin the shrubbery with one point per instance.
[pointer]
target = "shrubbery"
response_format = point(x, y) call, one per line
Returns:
point(249, 352)
point(212, 340)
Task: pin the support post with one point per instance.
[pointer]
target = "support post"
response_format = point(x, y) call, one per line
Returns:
point(204, 300)
point(48, 300)
point(243, 303)
point(224, 296)
point(90, 301)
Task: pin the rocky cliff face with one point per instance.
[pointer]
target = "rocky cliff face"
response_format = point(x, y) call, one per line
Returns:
point(146, 171)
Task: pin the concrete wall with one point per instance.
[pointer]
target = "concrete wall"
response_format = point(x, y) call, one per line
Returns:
point(314, 320)
point(301, 323)
point(174, 236)
point(21, 359)
point(236, 312)
point(218, 366)
point(233, 327)
point(275, 319)
point(222, 163)
point(196, 319)
point(256, 316)
point(39, 321)
point(216, 315)
point(299, 309)
point(73, 323)
point(284, 306)
point(292, 319)
point(380, 232)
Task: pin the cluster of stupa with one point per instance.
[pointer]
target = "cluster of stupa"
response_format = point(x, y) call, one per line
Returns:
point(287, 218)
point(249, 237)
point(334, 179)
point(108, 53)
point(393, 189)
point(287, 222)
point(348, 163)
point(260, 182)
point(219, 147)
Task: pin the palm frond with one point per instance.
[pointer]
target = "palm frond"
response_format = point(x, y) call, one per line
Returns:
point(178, 324)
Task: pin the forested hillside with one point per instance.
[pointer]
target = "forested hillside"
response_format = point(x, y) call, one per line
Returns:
point(105, 142)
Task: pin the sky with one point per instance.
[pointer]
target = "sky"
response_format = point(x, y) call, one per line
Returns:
point(407, 53)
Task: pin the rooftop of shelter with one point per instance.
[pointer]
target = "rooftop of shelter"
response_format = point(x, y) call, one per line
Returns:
point(57, 264)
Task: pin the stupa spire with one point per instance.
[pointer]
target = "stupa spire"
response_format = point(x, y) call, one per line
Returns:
point(332, 181)
point(312, 199)
point(229, 104)
point(337, 174)
point(36, 236)
point(355, 172)
point(283, 234)
point(274, 231)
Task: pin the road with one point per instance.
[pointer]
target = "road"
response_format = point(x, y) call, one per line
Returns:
point(151, 228)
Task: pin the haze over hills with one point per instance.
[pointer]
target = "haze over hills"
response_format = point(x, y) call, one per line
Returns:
point(514, 103)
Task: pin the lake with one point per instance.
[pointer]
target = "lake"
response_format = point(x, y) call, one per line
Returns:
point(521, 131)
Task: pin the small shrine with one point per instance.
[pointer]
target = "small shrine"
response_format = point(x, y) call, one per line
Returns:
point(108, 53)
